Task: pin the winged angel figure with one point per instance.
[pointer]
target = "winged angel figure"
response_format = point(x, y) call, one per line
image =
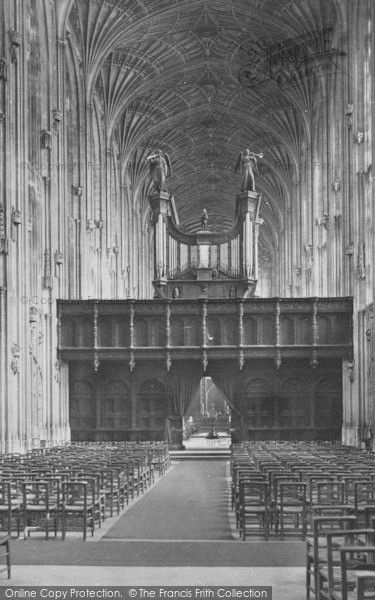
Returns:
point(247, 162)
point(160, 169)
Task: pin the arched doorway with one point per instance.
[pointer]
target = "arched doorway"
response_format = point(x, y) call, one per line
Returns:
point(207, 414)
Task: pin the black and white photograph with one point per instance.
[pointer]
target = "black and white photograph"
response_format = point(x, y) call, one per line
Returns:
point(187, 281)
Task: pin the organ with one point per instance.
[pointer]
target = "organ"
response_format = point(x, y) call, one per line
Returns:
point(206, 264)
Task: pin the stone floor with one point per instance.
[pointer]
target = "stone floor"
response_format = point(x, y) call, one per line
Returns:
point(287, 582)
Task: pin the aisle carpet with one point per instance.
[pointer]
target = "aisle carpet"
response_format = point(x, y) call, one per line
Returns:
point(189, 503)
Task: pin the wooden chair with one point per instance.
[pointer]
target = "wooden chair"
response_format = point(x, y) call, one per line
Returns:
point(276, 478)
point(253, 477)
point(37, 509)
point(121, 486)
point(107, 489)
point(316, 546)
point(150, 468)
point(364, 495)
point(312, 480)
point(239, 470)
point(254, 509)
point(348, 570)
point(349, 484)
point(78, 504)
point(159, 461)
point(5, 553)
point(290, 509)
point(99, 494)
point(329, 575)
point(139, 472)
point(365, 585)
point(330, 500)
point(125, 481)
point(9, 506)
point(330, 493)
point(369, 516)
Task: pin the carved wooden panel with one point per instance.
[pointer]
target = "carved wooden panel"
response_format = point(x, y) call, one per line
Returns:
point(141, 333)
point(152, 405)
point(87, 333)
point(194, 331)
point(69, 333)
point(82, 408)
point(268, 331)
point(260, 403)
point(116, 405)
point(177, 332)
point(104, 332)
point(303, 330)
point(122, 335)
point(295, 403)
point(341, 329)
point(158, 333)
point(296, 324)
point(230, 332)
point(250, 330)
point(328, 411)
point(286, 331)
point(213, 332)
point(324, 329)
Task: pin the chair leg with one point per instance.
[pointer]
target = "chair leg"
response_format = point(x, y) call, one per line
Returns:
point(308, 575)
point(57, 520)
point(47, 525)
point(25, 528)
point(84, 525)
point(63, 524)
point(281, 525)
point(8, 558)
point(266, 527)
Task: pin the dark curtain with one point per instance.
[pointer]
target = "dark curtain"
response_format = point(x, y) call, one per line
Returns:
point(231, 383)
point(182, 384)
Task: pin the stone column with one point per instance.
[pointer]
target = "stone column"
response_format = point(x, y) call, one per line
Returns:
point(3, 368)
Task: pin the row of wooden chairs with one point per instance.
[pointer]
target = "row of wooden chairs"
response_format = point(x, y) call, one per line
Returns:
point(278, 488)
point(75, 487)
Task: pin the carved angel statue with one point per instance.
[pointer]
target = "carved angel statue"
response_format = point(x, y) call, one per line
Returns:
point(247, 162)
point(204, 219)
point(160, 169)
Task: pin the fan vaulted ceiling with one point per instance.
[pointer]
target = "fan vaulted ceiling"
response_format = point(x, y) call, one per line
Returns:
point(202, 80)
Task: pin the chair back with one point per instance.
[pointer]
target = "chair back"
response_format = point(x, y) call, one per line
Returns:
point(330, 492)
